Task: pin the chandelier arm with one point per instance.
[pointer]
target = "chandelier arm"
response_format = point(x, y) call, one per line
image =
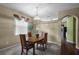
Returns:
point(37, 11)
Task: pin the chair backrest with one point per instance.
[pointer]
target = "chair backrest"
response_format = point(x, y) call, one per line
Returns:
point(37, 35)
point(29, 34)
point(23, 40)
point(45, 37)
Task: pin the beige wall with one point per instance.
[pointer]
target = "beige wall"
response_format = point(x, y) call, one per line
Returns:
point(52, 28)
point(7, 36)
point(7, 27)
point(73, 12)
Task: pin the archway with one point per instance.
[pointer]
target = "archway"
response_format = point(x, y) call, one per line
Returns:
point(69, 40)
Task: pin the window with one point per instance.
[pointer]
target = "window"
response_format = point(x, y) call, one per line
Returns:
point(21, 27)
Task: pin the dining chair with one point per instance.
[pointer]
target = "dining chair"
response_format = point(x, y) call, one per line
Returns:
point(29, 34)
point(37, 36)
point(25, 44)
point(43, 41)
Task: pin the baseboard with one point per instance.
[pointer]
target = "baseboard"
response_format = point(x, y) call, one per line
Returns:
point(55, 43)
point(70, 41)
point(9, 47)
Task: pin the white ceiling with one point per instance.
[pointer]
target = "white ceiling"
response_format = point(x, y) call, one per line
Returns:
point(45, 10)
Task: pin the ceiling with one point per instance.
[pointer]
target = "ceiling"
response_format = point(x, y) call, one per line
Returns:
point(45, 10)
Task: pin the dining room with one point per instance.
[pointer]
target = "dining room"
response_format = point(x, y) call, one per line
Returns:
point(32, 28)
point(19, 23)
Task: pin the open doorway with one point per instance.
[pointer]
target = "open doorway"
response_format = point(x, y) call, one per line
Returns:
point(64, 29)
point(68, 30)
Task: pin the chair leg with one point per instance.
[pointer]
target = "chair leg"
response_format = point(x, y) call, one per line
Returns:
point(26, 52)
point(21, 51)
point(37, 45)
point(43, 47)
point(34, 50)
point(46, 46)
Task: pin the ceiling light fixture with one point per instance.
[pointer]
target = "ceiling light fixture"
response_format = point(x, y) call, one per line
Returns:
point(55, 19)
point(37, 17)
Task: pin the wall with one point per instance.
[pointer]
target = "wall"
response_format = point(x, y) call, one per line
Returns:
point(52, 28)
point(7, 36)
point(7, 27)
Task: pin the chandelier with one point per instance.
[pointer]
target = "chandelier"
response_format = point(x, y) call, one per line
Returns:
point(37, 17)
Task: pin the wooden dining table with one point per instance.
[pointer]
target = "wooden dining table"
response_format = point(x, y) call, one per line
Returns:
point(34, 40)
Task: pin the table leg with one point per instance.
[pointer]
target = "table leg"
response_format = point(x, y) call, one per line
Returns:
point(34, 49)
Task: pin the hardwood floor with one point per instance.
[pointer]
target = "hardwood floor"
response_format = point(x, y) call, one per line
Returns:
point(68, 48)
point(52, 49)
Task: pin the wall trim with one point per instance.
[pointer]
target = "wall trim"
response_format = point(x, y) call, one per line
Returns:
point(55, 43)
point(9, 47)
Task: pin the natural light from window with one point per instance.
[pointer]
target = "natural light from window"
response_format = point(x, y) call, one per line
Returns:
point(21, 27)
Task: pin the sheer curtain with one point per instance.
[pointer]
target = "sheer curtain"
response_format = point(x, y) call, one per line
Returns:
point(21, 27)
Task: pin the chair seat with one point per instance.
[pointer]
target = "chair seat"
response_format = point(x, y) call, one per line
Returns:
point(29, 45)
point(41, 41)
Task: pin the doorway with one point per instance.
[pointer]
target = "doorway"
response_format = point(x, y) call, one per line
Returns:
point(68, 43)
